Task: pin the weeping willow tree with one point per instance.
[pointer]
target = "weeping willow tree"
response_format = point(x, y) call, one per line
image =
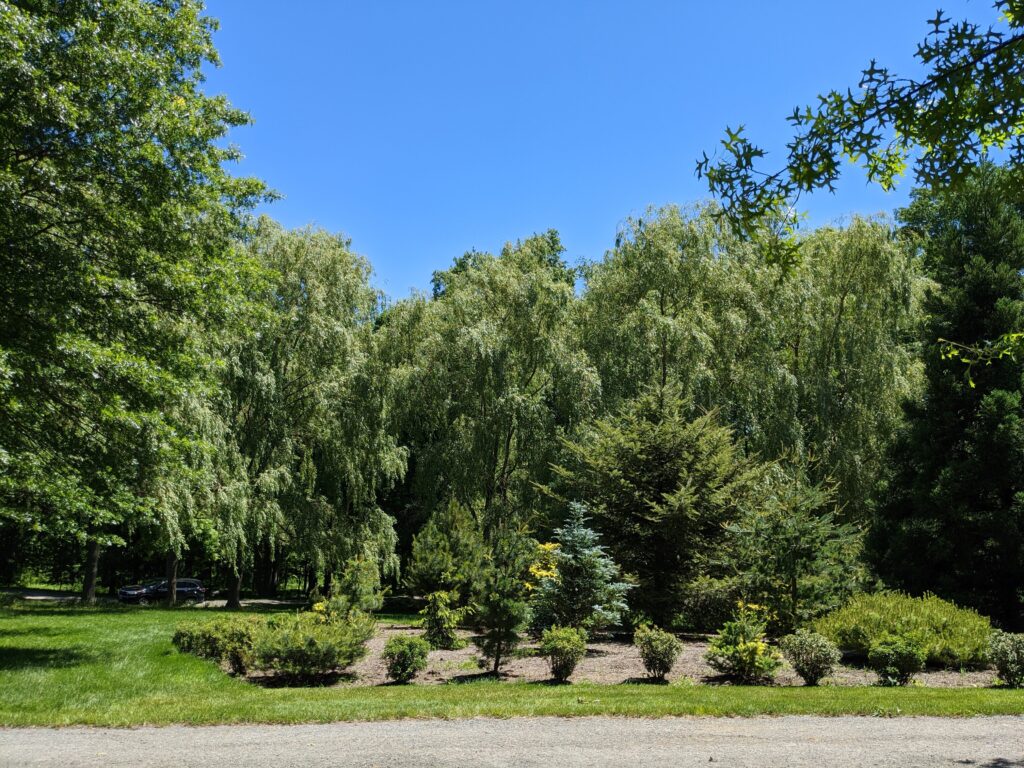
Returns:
point(492, 375)
point(306, 405)
point(815, 365)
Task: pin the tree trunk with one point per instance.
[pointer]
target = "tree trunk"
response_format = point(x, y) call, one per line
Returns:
point(328, 582)
point(92, 561)
point(235, 596)
point(172, 579)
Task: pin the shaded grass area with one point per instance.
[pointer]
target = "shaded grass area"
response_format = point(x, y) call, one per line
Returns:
point(116, 666)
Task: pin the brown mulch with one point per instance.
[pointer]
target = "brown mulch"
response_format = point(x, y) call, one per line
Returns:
point(611, 661)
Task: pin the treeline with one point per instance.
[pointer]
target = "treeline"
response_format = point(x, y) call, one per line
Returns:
point(184, 387)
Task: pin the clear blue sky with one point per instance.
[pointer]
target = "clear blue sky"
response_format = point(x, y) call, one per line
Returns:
point(425, 129)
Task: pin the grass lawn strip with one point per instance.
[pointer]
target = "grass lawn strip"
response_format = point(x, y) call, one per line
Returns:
point(72, 666)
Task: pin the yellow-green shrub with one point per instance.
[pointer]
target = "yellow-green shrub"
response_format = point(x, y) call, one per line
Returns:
point(951, 636)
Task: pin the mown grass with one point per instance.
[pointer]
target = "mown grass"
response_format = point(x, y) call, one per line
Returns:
point(117, 667)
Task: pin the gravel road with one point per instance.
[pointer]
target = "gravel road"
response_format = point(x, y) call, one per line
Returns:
point(994, 742)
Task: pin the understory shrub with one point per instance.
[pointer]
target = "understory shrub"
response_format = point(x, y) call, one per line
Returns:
point(813, 656)
point(706, 604)
point(740, 651)
point(658, 650)
point(228, 640)
point(405, 656)
point(302, 646)
point(951, 636)
point(564, 648)
point(441, 620)
point(1006, 652)
point(896, 659)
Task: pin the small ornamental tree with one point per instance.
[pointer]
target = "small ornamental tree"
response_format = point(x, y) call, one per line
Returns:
point(448, 555)
point(503, 611)
point(584, 592)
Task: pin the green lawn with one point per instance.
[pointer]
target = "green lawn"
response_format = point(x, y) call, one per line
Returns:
point(113, 666)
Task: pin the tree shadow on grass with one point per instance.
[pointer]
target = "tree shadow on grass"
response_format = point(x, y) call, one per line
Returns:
point(15, 658)
point(291, 681)
point(999, 762)
point(474, 677)
point(645, 681)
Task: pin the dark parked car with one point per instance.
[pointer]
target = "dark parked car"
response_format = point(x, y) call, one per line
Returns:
point(155, 591)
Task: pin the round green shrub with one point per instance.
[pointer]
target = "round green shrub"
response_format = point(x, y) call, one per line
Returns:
point(405, 656)
point(896, 659)
point(564, 648)
point(813, 656)
point(740, 650)
point(952, 637)
point(658, 650)
point(1006, 652)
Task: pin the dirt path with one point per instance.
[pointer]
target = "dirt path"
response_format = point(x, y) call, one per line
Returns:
point(996, 742)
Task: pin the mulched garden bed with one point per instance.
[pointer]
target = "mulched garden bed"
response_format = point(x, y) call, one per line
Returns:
point(612, 661)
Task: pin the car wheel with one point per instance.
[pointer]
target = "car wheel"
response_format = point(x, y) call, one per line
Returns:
point(143, 601)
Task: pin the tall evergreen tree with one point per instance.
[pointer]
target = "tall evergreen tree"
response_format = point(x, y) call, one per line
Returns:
point(953, 520)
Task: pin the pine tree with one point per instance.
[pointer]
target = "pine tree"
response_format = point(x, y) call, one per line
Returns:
point(953, 519)
point(503, 610)
point(585, 592)
point(448, 554)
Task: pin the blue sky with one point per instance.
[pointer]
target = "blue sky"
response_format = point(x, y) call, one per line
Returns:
point(424, 129)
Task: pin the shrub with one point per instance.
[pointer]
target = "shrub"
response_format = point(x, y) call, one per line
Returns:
point(358, 589)
point(405, 656)
point(441, 620)
point(564, 648)
point(303, 646)
point(1006, 651)
point(228, 640)
point(658, 650)
point(813, 656)
point(740, 650)
point(585, 590)
point(706, 604)
point(951, 636)
point(896, 659)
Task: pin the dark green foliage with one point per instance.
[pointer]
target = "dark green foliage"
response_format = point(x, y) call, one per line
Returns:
point(564, 648)
point(952, 521)
point(441, 621)
point(1006, 652)
point(661, 486)
point(740, 650)
point(952, 637)
point(229, 640)
point(405, 656)
point(503, 611)
point(705, 604)
point(658, 650)
point(448, 554)
point(813, 656)
point(304, 647)
point(790, 554)
point(896, 659)
point(585, 592)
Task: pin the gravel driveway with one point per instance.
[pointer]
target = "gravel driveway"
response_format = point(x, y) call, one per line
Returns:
point(995, 742)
